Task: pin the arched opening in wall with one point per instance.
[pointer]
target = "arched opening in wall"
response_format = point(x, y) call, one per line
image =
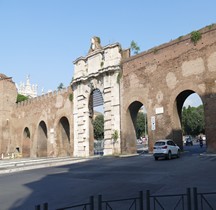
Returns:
point(191, 119)
point(42, 140)
point(26, 143)
point(96, 128)
point(138, 131)
point(142, 130)
point(63, 137)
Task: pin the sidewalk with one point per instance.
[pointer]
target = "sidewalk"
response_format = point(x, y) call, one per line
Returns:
point(21, 164)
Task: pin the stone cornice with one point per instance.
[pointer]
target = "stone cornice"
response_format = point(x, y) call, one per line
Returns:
point(97, 52)
point(96, 74)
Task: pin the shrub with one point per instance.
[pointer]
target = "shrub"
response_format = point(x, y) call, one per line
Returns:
point(195, 36)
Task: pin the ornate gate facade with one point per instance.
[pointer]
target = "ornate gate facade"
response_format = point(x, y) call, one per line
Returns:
point(98, 71)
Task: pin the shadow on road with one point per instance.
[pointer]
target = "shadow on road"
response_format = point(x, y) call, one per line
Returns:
point(195, 149)
point(112, 177)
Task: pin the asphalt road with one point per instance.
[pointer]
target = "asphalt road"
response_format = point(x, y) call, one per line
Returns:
point(111, 177)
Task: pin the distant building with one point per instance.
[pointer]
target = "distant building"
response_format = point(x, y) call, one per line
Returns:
point(27, 89)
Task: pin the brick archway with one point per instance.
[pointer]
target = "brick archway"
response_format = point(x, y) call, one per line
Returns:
point(129, 141)
point(177, 114)
point(164, 76)
point(26, 144)
point(42, 140)
point(63, 137)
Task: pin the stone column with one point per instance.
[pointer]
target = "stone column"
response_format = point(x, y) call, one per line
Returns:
point(210, 122)
point(111, 113)
point(81, 121)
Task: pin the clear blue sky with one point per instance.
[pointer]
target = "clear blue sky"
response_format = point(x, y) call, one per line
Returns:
point(42, 38)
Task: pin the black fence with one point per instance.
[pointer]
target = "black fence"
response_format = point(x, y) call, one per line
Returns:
point(190, 200)
point(169, 201)
point(84, 206)
point(204, 201)
point(125, 203)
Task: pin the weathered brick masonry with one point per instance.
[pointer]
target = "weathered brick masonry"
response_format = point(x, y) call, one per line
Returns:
point(38, 127)
point(161, 79)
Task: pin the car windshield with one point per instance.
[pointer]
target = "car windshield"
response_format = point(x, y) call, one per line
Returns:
point(159, 143)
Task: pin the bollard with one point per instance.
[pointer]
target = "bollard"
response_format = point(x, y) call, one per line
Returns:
point(37, 207)
point(195, 198)
point(45, 206)
point(189, 199)
point(148, 200)
point(141, 200)
point(99, 202)
point(91, 201)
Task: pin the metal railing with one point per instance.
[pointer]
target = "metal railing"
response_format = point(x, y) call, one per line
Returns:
point(204, 200)
point(99, 147)
point(178, 201)
point(83, 206)
point(190, 200)
point(135, 203)
point(44, 206)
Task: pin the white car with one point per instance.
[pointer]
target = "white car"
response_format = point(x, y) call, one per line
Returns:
point(166, 149)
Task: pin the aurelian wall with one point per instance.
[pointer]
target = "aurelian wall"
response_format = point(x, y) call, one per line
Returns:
point(42, 126)
point(8, 95)
point(60, 123)
point(161, 79)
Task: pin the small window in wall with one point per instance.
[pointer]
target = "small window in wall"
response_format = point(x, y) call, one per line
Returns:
point(27, 133)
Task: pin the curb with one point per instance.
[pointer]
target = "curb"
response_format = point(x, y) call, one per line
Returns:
point(17, 167)
point(208, 154)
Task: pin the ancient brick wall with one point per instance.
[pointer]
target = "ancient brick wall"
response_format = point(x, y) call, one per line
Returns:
point(161, 79)
point(7, 100)
point(42, 126)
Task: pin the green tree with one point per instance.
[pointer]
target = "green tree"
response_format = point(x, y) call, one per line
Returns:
point(193, 120)
point(61, 86)
point(98, 125)
point(200, 113)
point(134, 47)
point(141, 124)
point(21, 97)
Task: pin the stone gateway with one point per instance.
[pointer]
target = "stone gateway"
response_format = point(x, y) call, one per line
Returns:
point(60, 123)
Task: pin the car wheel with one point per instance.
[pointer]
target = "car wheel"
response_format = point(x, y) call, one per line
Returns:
point(169, 155)
point(156, 158)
